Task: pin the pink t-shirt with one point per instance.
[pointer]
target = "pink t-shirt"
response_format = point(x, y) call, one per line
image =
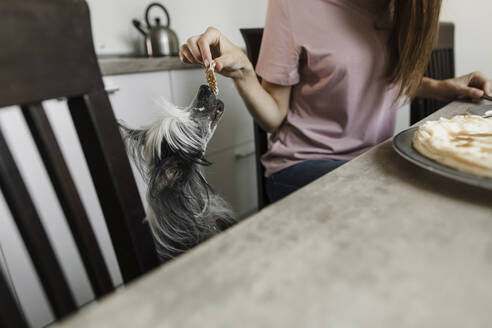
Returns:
point(335, 58)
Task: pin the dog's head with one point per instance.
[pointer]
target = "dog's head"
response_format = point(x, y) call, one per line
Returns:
point(181, 134)
point(206, 110)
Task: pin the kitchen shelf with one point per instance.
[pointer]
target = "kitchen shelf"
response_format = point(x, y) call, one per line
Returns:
point(128, 65)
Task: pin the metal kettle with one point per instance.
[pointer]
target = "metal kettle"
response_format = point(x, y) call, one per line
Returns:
point(160, 40)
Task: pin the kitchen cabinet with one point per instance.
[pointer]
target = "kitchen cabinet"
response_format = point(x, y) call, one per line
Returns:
point(232, 175)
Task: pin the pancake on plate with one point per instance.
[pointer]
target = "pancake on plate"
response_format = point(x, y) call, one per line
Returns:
point(463, 142)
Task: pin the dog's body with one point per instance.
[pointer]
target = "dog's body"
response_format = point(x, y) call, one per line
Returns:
point(183, 208)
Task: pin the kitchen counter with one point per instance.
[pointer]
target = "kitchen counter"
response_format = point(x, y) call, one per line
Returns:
point(378, 242)
point(114, 65)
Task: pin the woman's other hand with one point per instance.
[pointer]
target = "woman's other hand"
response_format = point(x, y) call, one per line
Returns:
point(471, 86)
point(230, 60)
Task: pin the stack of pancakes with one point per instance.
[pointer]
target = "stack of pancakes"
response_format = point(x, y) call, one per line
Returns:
point(463, 142)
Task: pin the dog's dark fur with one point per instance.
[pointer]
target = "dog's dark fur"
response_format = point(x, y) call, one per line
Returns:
point(183, 208)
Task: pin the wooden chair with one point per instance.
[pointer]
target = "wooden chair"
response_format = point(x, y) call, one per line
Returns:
point(441, 66)
point(48, 53)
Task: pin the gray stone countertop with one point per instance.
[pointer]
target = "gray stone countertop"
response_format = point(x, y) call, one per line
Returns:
point(114, 65)
point(376, 243)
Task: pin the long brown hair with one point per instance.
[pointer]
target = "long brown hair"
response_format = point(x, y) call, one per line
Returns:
point(414, 30)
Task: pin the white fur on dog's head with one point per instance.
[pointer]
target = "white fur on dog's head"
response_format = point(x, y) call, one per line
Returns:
point(173, 124)
point(175, 129)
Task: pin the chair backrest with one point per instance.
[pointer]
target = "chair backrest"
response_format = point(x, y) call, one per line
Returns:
point(252, 37)
point(48, 53)
point(441, 67)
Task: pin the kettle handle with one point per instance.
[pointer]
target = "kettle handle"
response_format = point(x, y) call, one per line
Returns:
point(156, 4)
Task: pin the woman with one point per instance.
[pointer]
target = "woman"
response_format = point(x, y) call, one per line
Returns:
point(333, 74)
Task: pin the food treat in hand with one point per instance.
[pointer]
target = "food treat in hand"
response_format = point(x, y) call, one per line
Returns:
point(463, 143)
point(211, 80)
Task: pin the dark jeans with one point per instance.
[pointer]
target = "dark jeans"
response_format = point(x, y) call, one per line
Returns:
point(282, 183)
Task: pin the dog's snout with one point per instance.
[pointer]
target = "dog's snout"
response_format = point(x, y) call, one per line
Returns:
point(204, 92)
point(206, 103)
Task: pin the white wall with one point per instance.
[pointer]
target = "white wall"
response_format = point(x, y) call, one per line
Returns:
point(473, 34)
point(114, 33)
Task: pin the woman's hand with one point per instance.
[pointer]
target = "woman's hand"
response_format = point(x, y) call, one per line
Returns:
point(268, 104)
point(471, 86)
point(230, 60)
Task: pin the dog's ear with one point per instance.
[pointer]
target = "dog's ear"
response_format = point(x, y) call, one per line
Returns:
point(132, 137)
point(135, 143)
point(128, 133)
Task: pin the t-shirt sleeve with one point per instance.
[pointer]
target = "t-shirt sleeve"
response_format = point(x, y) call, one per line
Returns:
point(278, 61)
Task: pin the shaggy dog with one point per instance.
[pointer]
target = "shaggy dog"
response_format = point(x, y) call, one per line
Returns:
point(183, 208)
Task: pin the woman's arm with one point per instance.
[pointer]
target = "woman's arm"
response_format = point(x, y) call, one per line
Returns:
point(268, 103)
point(472, 86)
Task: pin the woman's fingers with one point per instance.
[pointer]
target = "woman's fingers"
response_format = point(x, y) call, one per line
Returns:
point(186, 56)
point(227, 61)
point(469, 92)
point(478, 80)
point(210, 38)
point(194, 50)
point(197, 49)
point(472, 86)
point(212, 45)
